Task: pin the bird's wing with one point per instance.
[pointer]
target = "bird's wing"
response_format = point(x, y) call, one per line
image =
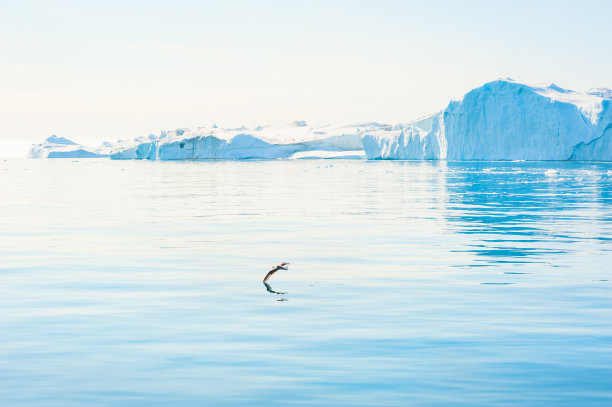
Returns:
point(274, 270)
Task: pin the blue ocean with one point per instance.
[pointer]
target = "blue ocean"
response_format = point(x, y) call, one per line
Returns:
point(410, 283)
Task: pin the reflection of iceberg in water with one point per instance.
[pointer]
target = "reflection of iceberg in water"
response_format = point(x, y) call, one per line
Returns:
point(520, 212)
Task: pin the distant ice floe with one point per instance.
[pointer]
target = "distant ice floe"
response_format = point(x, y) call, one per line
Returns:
point(60, 147)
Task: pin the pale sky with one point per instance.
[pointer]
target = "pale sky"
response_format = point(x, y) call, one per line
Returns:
point(107, 70)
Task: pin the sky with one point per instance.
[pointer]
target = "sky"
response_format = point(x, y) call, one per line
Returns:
point(107, 70)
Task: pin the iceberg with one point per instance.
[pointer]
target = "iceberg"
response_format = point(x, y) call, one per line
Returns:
point(506, 120)
point(60, 147)
point(500, 120)
point(298, 140)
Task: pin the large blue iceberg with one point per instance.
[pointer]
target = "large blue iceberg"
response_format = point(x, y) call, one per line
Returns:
point(506, 120)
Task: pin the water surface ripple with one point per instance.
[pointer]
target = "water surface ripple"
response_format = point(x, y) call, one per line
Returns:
point(137, 283)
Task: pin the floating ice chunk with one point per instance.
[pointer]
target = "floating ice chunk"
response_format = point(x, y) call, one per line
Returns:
point(551, 173)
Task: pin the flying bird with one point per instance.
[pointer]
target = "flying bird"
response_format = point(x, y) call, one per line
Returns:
point(282, 266)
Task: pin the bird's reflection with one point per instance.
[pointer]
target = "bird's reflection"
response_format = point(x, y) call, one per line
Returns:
point(270, 290)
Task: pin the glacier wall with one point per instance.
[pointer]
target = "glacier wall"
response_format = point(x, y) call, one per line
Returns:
point(404, 142)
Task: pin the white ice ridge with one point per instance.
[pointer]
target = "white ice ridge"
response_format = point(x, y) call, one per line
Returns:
point(60, 147)
point(506, 120)
point(296, 140)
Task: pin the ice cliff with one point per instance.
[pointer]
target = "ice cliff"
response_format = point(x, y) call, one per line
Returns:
point(506, 120)
point(60, 147)
point(296, 140)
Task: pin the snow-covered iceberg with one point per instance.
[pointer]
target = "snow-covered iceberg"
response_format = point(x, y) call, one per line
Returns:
point(506, 120)
point(60, 147)
point(296, 140)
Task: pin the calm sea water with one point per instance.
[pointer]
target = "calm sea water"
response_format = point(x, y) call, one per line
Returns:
point(127, 283)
